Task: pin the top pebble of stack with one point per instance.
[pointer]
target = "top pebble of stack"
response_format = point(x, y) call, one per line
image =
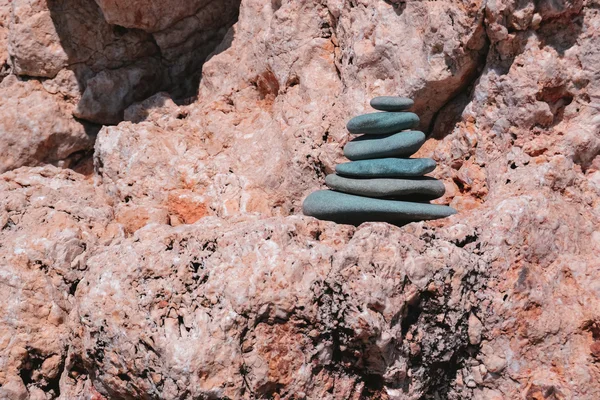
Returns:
point(391, 103)
point(392, 120)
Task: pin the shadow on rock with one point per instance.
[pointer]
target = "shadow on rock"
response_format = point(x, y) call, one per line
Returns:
point(114, 66)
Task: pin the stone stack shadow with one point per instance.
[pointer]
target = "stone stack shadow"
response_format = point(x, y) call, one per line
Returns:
point(381, 182)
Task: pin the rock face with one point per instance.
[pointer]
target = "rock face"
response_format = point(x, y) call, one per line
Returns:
point(52, 220)
point(181, 266)
point(149, 15)
point(98, 59)
point(37, 126)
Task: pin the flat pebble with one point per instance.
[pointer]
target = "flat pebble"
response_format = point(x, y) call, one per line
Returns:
point(401, 144)
point(391, 103)
point(424, 187)
point(386, 167)
point(350, 209)
point(383, 122)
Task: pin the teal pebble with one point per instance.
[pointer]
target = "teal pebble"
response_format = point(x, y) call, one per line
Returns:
point(391, 103)
point(350, 209)
point(383, 122)
point(401, 144)
point(424, 187)
point(386, 167)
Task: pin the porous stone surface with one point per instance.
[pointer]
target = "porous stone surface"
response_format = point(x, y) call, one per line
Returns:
point(386, 167)
point(37, 127)
point(382, 122)
point(382, 187)
point(401, 144)
point(109, 92)
point(4, 18)
point(151, 16)
point(98, 59)
point(350, 209)
point(52, 220)
point(200, 278)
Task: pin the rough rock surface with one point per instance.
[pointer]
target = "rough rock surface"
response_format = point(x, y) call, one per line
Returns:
point(52, 220)
point(148, 15)
point(104, 65)
point(197, 275)
point(37, 127)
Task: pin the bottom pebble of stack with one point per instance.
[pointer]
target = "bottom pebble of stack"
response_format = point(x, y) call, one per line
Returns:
point(351, 209)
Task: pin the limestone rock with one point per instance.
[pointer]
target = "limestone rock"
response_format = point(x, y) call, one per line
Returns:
point(37, 127)
point(109, 92)
point(148, 15)
point(475, 330)
point(4, 57)
point(291, 306)
point(33, 40)
point(188, 42)
point(51, 220)
point(45, 37)
point(170, 298)
point(116, 65)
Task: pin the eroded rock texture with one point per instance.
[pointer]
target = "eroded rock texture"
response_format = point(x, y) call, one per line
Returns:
point(105, 57)
point(180, 266)
point(52, 221)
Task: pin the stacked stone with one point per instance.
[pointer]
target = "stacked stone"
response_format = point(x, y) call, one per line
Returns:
point(381, 183)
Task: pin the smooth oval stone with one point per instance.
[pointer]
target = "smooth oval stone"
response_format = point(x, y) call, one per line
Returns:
point(382, 122)
point(350, 209)
point(384, 187)
point(386, 167)
point(391, 103)
point(401, 144)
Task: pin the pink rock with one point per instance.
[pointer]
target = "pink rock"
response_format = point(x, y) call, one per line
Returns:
point(51, 220)
point(150, 16)
point(4, 58)
point(109, 92)
point(115, 66)
point(37, 127)
point(197, 275)
point(33, 40)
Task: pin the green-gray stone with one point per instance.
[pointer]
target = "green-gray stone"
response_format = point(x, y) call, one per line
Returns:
point(401, 144)
point(383, 122)
point(386, 167)
point(391, 103)
point(384, 187)
point(350, 209)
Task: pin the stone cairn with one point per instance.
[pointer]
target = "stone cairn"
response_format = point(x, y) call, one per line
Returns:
point(381, 183)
